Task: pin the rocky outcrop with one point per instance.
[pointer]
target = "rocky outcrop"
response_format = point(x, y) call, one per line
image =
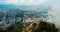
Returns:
point(41, 26)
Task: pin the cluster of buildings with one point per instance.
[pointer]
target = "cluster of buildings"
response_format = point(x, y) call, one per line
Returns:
point(10, 18)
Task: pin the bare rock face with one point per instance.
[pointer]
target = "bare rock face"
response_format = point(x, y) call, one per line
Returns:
point(41, 26)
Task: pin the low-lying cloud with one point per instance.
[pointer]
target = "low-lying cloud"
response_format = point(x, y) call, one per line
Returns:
point(55, 12)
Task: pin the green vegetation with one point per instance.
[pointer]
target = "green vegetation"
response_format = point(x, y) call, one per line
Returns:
point(17, 28)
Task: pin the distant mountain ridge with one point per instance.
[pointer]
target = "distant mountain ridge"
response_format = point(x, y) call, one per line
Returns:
point(21, 6)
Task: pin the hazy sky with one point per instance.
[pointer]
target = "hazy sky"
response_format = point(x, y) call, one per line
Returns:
point(29, 2)
point(23, 2)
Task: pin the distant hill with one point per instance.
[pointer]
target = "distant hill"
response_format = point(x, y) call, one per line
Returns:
point(7, 6)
